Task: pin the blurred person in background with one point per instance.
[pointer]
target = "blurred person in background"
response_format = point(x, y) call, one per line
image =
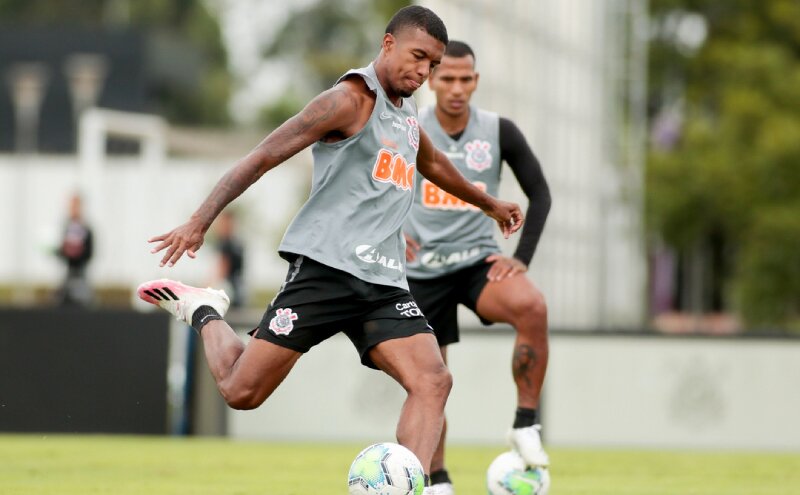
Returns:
point(345, 245)
point(75, 251)
point(230, 258)
point(451, 252)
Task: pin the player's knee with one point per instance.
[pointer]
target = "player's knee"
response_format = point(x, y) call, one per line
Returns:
point(538, 307)
point(531, 311)
point(242, 398)
point(436, 382)
point(446, 383)
point(243, 402)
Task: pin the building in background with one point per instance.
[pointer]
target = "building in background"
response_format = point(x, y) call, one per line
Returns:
point(52, 74)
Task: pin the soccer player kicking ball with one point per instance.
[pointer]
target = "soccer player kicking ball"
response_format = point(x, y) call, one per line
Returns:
point(452, 256)
point(345, 246)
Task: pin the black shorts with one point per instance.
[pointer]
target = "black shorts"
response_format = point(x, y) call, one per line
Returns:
point(317, 301)
point(439, 298)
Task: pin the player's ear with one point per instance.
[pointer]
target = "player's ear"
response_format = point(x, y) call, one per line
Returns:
point(477, 78)
point(388, 42)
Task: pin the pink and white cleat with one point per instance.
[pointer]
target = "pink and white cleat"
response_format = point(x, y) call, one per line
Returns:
point(182, 300)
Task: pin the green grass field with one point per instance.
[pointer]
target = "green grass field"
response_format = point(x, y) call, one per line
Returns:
point(67, 465)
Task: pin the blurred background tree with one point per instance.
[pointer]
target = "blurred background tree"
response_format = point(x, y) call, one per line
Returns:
point(723, 174)
point(320, 43)
point(171, 23)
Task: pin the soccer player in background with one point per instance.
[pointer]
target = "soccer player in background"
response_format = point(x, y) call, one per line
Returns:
point(452, 255)
point(345, 246)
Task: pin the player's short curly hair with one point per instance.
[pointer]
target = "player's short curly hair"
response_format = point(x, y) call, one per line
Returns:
point(418, 17)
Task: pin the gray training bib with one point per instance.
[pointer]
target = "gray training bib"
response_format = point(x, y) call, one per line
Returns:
point(453, 234)
point(361, 193)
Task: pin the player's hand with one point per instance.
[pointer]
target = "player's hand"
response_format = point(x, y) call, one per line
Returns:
point(504, 267)
point(508, 216)
point(412, 247)
point(184, 239)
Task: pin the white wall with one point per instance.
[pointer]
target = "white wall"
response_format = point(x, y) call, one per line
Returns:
point(674, 392)
point(130, 206)
point(330, 396)
point(647, 392)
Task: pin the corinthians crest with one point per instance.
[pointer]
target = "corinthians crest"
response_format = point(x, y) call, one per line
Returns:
point(479, 155)
point(281, 323)
point(413, 132)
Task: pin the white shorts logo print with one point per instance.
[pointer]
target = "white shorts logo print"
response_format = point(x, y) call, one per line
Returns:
point(408, 309)
point(479, 156)
point(281, 323)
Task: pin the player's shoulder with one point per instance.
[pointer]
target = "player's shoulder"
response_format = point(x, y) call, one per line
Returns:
point(426, 114)
point(507, 126)
point(354, 86)
point(348, 94)
point(484, 113)
point(485, 117)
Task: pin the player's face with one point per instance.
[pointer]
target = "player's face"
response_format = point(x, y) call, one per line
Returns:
point(454, 82)
point(412, 55)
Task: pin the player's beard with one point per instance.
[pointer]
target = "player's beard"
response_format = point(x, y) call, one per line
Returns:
point(403, 92)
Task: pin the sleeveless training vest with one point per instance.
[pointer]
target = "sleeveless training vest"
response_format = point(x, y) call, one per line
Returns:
point(454, 234)
point(361, 193)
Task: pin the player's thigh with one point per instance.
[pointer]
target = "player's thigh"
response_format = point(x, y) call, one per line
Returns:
point(408, 359)
point(263, 366)
point(438, 300)
point(510, 299)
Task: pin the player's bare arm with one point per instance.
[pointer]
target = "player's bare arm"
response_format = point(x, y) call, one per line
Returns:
point(332, 115)
point(412, 247)
point(437, 168)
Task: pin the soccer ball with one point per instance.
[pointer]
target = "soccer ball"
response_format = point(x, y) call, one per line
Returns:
point(386, 469)
point(508, 475)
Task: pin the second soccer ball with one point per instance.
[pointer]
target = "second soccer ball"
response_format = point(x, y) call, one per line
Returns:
point(508, 475)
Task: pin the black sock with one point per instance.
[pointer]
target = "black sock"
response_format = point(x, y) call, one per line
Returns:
point(440, 476)
point(427, 480)
point(203, 315)
point(526, 417)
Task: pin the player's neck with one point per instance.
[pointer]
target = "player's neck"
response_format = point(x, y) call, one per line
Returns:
point(452, 124)
point(383, 80)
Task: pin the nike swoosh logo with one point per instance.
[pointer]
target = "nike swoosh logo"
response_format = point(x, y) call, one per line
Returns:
point(385, 116)
point(204, 318)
